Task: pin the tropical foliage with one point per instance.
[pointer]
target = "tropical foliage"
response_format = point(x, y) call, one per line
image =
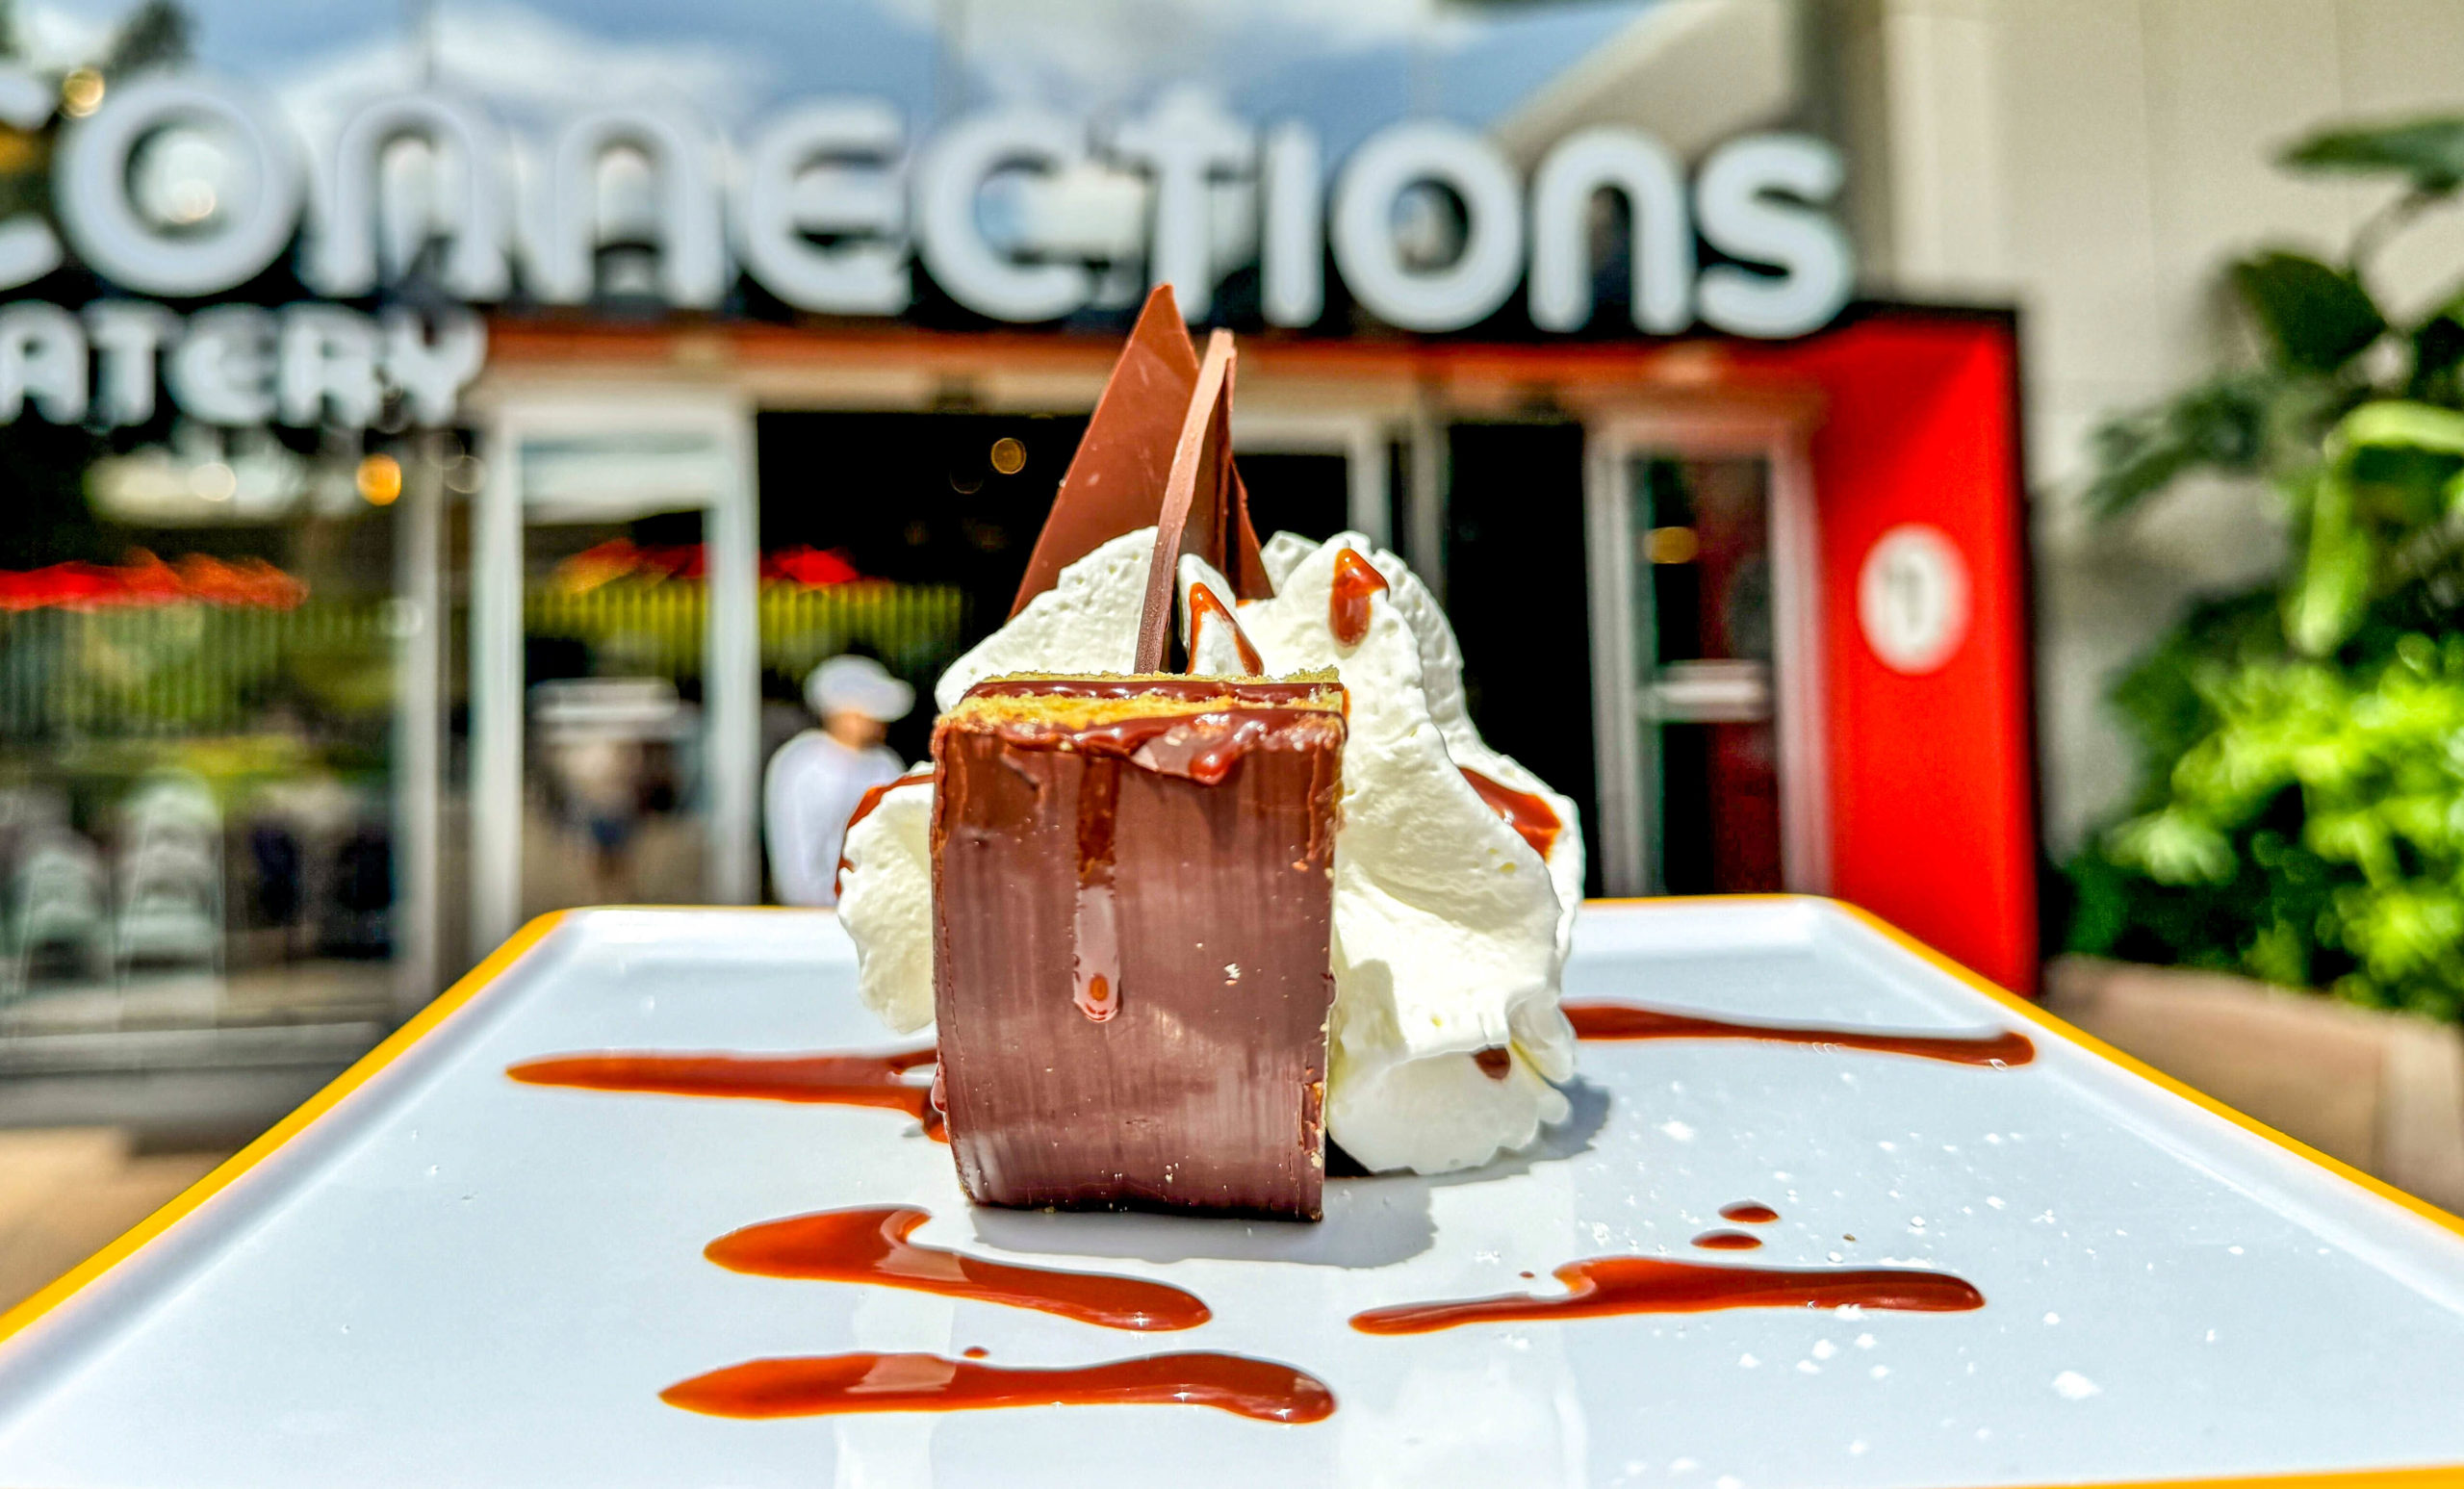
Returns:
point(2301, 813)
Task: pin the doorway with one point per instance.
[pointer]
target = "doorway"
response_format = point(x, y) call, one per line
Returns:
point(613, 626)
point(1705, 683)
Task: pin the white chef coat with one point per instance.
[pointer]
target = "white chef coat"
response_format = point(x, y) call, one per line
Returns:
point(810, 789)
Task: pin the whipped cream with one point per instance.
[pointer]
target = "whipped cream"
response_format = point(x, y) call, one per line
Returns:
point(885, 903)
point(1087, 622)
point(1450, 929)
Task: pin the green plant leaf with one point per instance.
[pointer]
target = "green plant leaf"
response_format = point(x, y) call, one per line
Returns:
point(2328, 597)
point(2429, 153)
point(2318, 317)
point(2398, 424)
point(2438, 349)
point(2300, 808)
point(2173, 847)
point(2222, 425)
point(2278, 953)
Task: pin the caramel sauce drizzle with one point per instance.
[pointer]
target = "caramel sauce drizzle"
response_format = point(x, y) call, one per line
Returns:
point(1749, 1211)
point(1527, 812)
point(1628, 1022)
point(821, 1080)
point(832, 1384)
point(1357, 578)
point(1204, 606)
point(870, 1246)
point(1604, 1286)
point(1727, 1241)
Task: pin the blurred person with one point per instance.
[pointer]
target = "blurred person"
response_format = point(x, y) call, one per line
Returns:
point(598, 738)
point(816, 779)
point(600, 774)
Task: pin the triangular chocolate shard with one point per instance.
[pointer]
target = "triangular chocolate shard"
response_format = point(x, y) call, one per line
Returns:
point(1204, 510)
point(1116, 481)
point(1216, 527)
point(1242, 562)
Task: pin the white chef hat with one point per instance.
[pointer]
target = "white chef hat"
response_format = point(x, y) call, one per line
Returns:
point(858, 684)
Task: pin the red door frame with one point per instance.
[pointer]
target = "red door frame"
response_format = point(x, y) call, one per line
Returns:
point(1934, 790)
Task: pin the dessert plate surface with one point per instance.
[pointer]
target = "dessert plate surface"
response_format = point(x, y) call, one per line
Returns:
point(437, 1275)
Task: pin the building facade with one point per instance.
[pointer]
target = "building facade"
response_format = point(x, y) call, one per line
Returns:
point(447, 446)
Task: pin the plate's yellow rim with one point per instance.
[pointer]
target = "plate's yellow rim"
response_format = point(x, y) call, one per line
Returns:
point(362, 1070)
point(478, 980)
point(2069, 1034)
point(2029, 1010)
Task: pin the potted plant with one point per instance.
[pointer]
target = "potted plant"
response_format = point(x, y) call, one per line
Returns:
point(2299, 813)
point(2301, 810)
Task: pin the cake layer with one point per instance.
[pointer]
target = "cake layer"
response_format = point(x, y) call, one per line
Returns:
point(1133, 888)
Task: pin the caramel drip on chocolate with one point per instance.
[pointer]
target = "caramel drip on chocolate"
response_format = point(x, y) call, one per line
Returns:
point(870, 1246)
point(1095, 929)
point(1604, 1286)
point(1527, 812)
point(830, 1384)
point(1357, 578)
point(1204, 606)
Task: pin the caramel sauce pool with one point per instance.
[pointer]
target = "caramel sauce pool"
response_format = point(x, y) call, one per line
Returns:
point(1629, 1021)
point(1610, 1285)
point(832, 1384)
point(1728, 1241)
point(820, 1080)
point(870, 1246)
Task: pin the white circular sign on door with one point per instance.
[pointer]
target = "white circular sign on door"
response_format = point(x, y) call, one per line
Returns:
point(1913, 597)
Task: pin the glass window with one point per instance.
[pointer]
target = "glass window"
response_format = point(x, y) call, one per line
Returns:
point(197, 700)
point(1708, 767)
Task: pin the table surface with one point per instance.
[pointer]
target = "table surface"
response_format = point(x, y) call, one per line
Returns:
point(437, 1275)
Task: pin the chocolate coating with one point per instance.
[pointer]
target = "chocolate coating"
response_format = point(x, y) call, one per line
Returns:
point(1131, 969)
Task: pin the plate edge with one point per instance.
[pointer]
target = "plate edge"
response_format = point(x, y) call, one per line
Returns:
point(418, 1026)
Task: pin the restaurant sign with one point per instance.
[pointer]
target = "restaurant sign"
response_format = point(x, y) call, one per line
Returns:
point(1016, 214)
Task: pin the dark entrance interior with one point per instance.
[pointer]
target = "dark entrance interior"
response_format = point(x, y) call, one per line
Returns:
point(1307, 494)
point(1517, 588)
point(946, 499)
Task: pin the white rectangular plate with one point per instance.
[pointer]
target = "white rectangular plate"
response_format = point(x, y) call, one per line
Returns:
point(437, 1276)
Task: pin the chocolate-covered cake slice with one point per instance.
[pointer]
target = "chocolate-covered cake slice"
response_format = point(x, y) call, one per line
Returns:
point(1133, 893)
